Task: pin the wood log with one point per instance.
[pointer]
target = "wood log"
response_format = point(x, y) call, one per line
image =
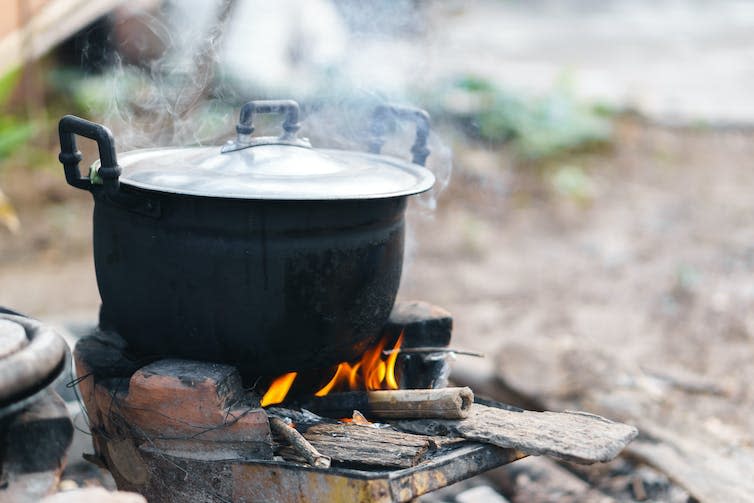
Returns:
point(299, 443)
point(448, 403)
point(570, 436)
point(367, 446)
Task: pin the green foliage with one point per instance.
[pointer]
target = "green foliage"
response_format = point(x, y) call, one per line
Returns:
point(13, 134)
point(8, 83)
point(537, 127)
point(14, 131)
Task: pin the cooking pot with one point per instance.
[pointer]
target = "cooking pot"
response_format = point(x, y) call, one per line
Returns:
point(268, 254)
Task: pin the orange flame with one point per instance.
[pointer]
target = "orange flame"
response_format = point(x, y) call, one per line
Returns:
point(371, 372)
point(278, 389)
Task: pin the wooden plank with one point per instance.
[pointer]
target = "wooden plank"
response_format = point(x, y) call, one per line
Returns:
point(570, 436)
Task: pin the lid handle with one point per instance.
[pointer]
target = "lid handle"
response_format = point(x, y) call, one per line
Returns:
point(245, 126)
point(380, 118)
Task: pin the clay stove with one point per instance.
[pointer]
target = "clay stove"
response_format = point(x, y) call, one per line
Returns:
point(177, 430)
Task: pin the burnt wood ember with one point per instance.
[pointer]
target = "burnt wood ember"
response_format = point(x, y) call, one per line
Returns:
point(571, 436)
point(447, 403)
point(422, 325)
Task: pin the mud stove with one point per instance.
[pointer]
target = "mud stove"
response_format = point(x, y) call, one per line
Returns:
point(179, 430)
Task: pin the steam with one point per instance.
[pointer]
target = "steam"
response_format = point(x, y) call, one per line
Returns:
point(205, 58)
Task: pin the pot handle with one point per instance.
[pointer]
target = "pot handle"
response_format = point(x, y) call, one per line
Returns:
point(383, 113)
point(109, 171)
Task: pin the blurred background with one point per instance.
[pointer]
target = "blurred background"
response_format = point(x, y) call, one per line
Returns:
point(592, 229)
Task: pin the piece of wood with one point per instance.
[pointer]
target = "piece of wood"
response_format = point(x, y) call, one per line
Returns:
point(299, 443)
point(570, 436)
point(367, 446)
point(449, 403)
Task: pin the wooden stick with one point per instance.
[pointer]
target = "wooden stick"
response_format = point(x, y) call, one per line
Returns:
point(299, 443)
point(443, 403)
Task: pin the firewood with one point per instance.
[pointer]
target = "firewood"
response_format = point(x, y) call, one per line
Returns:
point(299, 443)
point(365, 445)
point(447, 403)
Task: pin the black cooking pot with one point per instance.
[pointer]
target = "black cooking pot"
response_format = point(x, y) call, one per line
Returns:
point(269, 254)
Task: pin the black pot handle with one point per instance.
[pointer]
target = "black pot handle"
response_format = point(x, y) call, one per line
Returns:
point(290, 108)
point(70, 157)
point(383, 113)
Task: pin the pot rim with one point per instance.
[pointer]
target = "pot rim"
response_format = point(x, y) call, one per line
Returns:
point(270, 172)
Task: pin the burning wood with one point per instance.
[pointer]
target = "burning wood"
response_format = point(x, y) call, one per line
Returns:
point(444, 403)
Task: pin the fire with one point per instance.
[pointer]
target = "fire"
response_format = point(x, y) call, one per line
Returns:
point(278, 389)
point(371, 372)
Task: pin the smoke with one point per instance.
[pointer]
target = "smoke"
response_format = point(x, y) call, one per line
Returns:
point(185, 67)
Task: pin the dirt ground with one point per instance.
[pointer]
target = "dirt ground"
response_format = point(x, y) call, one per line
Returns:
point(638, 284)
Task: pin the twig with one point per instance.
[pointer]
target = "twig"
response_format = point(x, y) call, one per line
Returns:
point(299, 443)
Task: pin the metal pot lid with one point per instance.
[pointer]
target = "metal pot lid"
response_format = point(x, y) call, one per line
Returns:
point(273, 172)
point(284, 167)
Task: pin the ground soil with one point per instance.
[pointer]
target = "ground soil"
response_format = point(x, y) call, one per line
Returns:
point(642, 278)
